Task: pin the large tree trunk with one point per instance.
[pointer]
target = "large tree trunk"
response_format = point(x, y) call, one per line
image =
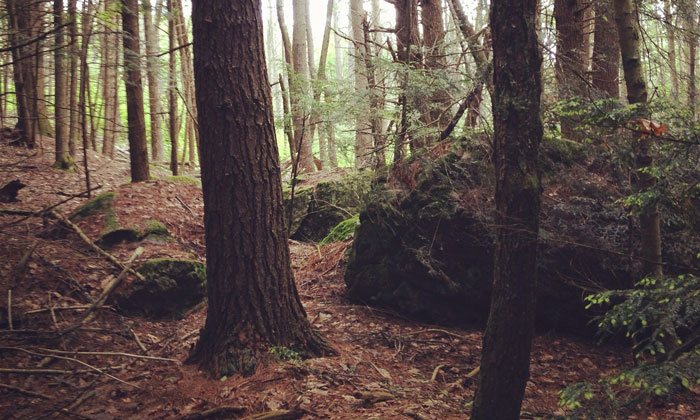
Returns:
point(253, 301)
point(300, 114)
point(153, 69)
point(570, 69)
point(138, 146)
point(606, 52)
point(438, 114)
point(517, 127)
point(64, 160)
point(408, 47)
point(363, 127)
point(643, 179)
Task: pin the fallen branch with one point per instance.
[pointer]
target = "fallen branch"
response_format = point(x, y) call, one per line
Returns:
point(22, 262)
point(25, 391)
point(111, 258)
point(214, 412)
point(45, 210)
point(35, 371)
point(107, 291)
point(67, 308)
point(108, 353)
point(278, 415)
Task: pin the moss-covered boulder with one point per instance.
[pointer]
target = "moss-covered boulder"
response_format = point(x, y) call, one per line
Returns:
point(171, 288)
point(320, 207)
point(342, 231)
point(425, 242)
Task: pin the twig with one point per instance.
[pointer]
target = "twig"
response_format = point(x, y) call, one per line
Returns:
point(106, 292)
point(35, 371)
point(214, 412)
point(9, 308)
point(108, 353)
point(81, 399)
point(435, 372)
point(185, 205)
point(49, 209)
point(111, 258)
point(66, 308)
point(138, 342)
point(26, 391)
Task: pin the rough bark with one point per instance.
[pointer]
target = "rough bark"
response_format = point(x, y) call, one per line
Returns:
point(152, 71)
point(300, 114)
point(64, 160)
point(408, 53)
point(110, 62)
point(322, 78)
point(438, 114)
point(289, 69)
point(138, 146)
point(187, 77)
point(74, 128)
point(606, 52)
point(642, 180)
point(569, 67)
point(507, 340)
point(253, 301)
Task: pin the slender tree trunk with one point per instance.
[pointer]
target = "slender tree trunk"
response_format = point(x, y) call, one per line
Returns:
point(338, 64)
point(74, 127)
point(438, 114)
point(691, 39)
point(253, 301)
point(642, 180)
point(153, 69)
point(191, 127)
point(289, 70)
point(505, 356)
point(138, 146)
point(300, 114)
point(363, 127)
point(671, 38)
point(64, 160)
point(375, 106)
point(172, 94)
point(407, 45)
point(606, 51)
point(322, 78)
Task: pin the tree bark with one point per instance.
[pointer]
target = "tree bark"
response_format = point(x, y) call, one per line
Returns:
point(438, 114)
point(173, 125)
point(253, 301)
point(288, 71)
point(152, 71)
point(569, 67)
point(517, 127)
point(363, 127)
point(64, 160)
point(642, 179)
point(606, 52)
point(74, 127)
point(138, 146)
point(187, 76)
point(300, 114)
point(671, 39)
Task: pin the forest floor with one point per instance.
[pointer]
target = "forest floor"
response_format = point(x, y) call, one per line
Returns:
point(114, 367)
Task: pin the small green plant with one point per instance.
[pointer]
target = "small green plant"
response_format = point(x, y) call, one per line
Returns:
point(283, 354)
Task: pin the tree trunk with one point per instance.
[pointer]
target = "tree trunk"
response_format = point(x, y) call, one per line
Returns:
point(74, 127)
point(289, 68)
point(323, 143)
point(606, 52)
point(253, 301)
point(64, 160)
point(642, 180)
point(569, 67)
point(438, 114)
point(110, 84)
point(173, 125)
point(153, 69)
point(363, 127)
point(187, 76)
point(138, 146)
point(517, 127)
point(300, 114)
point(407, 45)
point(691, 39)
point(671, 38)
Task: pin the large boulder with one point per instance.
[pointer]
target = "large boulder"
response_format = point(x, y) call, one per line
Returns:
point(425, 241)
point(171, 288)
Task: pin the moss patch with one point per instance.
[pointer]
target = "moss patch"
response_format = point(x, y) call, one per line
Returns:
point(100, 204)
point(155, 227)
point(184, 179)
point(342, 231)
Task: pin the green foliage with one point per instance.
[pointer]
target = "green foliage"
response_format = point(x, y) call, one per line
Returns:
point(663, 318)
point(282, 354)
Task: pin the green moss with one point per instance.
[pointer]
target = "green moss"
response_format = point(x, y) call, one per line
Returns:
point(67, 164)
point(184, 179)
point(282, 354)
point(100, 204)
point(342, 231)
point(155, 227)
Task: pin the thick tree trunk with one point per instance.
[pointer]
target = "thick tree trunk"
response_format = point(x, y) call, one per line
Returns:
point(300, 114)
point(153, 69)
point(408, 47)
point(253, 301)
point(642, 180)
point(110, 95)
point(138, 146)
point(64, 160)
point(517, 127)
point(606, 52)
point(569, 68)
point(438, 114)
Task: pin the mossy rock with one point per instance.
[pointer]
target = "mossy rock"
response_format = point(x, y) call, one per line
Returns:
point(172, 287)
point(297, 209)
point(342, 231)
point(427, 249)
point(156, 232)
point(184, 179)
point(119, 235)
point(102, 203)
point(331, 203)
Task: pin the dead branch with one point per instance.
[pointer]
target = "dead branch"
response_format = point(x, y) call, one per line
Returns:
point(111, 258)
point(278, 415)
point(109, 353)
point(35, 371)
point(25, 391)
